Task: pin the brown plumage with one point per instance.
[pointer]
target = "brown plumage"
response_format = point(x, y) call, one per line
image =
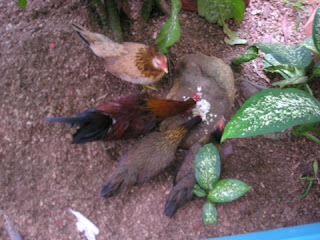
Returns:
point(146, 159)
point(185, 178)
point(128, 116)
point(133, 62)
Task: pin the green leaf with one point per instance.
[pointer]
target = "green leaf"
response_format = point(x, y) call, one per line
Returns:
point(250, 54)
point(286, 70)
point(316, 70)
point(170, 31)
point(207, 166)
point(315, 167)
point(233, 38)
point(308, 43)
point(146, 9)
point(289, 81)
point(22, 4)
point(228, 190)
point(217, 11)
point(296, 55)
point(273, 110)
point(198, 191)
point(316, 30)
point(209, 213)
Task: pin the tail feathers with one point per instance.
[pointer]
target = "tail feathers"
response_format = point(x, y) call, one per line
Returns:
point(179, 195)
point(93, 125)
point(101, 45)
point(119, 181)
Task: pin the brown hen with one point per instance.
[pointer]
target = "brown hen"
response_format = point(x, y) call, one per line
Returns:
point(133, 62)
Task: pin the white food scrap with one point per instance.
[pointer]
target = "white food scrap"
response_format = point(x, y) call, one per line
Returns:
point(85, 225)
point(202, 108)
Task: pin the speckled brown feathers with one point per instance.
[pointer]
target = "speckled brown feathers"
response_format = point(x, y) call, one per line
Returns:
point(146, 159)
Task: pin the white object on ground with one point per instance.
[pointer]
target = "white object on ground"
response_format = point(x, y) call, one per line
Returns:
point(85, 225)
point(202, 108)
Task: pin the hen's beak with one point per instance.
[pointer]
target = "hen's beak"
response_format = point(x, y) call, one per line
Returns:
point(165, 69)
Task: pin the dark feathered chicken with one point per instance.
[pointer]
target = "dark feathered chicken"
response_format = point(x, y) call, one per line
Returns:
point(129, 116)
point(185, 178)
point(148, 158)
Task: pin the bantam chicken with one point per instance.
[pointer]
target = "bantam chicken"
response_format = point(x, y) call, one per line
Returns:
point(185, 178)
point(146, 159)
point(133, 62)
point(129, 116)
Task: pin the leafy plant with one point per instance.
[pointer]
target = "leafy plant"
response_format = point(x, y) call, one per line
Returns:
point(207, 172)
point(279, 109)
point(310, 179)
point(170, 31)
point(216, 11)
point(22, 4)
point(298, 5)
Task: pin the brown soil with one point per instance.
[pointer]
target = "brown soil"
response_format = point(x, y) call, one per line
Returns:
point(42, 175)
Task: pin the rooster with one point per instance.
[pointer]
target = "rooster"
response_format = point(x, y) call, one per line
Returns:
point(133, 62)
point(129, 116)
point(148, 158)
point(185, 178)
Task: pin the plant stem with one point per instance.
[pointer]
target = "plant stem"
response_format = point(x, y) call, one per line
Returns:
point(114, 19)
point(308, 189)
point(311, 137)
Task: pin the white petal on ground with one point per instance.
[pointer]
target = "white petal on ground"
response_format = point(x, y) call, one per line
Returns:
point(85, 225)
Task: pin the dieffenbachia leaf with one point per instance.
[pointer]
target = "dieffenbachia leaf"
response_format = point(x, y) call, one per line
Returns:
point(228, 190)
point(316, 70)
point(250, 54)
point(22, 4)
point(232, 38)
point(207, 166)
point(289, 81)
point(273, 110)
point(209, 213)
point(217, 11)
point(170, 31)
point(308, 43)
point(279, 57)
point(316, 30)
point(198, 191)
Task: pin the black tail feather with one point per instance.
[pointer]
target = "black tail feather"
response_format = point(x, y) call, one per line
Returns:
point(93, 125)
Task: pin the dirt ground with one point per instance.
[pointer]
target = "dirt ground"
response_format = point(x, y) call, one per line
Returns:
point(42, 175)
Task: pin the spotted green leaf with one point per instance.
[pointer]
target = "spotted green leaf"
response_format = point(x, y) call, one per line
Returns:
point(170, 31)
point(295, 59)
point(273, 110)
point(228, 190)
point(207, 166)
point(316, 70)
point(217, 11)
point(308, 43)
point(247, 56)
point(209, 213)
point(22, 4)
point(198, 191)
point(316, 30)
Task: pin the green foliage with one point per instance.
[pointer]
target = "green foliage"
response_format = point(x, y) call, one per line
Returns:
point(273, 110)
point(207, 172)
point(298, 5)
point(207, 166)
point(276, 110)
point(146, 9)
point(228, 190)
point(315, 167)
point(316, 30)
point(22, 4)
point(217, 11)
point(209, 213)
point(170, 31)
point(198, 191)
